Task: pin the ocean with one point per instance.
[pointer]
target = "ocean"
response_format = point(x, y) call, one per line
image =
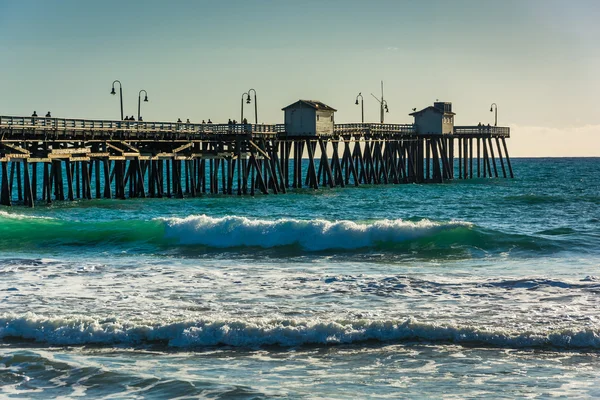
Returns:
point(468, 289)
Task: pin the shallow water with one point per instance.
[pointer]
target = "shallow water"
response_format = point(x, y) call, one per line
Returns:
point(465, 289)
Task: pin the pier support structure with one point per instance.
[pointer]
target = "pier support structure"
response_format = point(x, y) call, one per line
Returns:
point(43, 159)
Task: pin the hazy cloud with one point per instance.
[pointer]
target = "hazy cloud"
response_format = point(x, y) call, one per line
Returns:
point(539, 141)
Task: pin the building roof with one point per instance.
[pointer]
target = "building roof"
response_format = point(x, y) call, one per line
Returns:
point(317, 105)
point(432, 108)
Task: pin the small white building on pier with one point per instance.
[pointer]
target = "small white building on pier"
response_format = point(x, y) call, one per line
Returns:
point(437, 119)
point(309, 118)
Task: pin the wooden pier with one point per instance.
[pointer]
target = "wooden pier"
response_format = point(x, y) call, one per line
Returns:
point(54, 159)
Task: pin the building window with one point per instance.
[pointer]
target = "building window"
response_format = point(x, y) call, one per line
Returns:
point(332, 118)
point(317, 117)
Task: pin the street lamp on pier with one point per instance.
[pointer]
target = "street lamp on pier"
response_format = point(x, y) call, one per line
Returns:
point(247, 102)
point(362, 107)
point(494, 107)
point(120, 94)
point(140, 102)
point(255, 105)
point(382, 105)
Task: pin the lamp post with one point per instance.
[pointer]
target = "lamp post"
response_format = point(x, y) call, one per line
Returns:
point(494, 107)
point(255, 105)
point(362, 107)
point(382, 105)
point(140, 102)
point(120, 94)
point(247, 102)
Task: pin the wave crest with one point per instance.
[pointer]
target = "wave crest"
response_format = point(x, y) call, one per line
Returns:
point(269, 332)
point(317, 234)
point(424, 238)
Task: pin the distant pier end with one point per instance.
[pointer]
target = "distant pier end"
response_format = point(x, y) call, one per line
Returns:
point(56, 159)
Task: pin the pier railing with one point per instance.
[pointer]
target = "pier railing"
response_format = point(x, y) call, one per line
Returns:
point(496, 131)
point(41, 125)
point(70, 125)
point(374, 128)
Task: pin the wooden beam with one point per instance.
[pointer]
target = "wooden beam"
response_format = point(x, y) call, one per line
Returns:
point(18, 156)
point(16, 148)
point(130, 147)
point(71, 150)
point(261, 151)
point(59, 156)
point(185, 146)
point(120, 150)
point(164, 156)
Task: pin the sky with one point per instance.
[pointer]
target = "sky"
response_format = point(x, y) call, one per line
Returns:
point(538, 60)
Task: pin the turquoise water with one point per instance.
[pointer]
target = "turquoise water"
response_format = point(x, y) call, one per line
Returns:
point(486, 287)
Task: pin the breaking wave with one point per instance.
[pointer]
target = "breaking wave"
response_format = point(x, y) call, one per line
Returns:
point(231, 232)
point(311, 235)
point(69, 331)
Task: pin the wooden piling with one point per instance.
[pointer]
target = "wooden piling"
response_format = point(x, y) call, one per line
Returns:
point(500, 157)
point(491, 144)
point(478, 157)
point(461, 155)
point(507, 158)
point(69, 171)
point(471, 158)
point(5, 199)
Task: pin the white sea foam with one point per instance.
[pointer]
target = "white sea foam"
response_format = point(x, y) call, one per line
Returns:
point(264, 332)
point(317, 234)
point(10, 215)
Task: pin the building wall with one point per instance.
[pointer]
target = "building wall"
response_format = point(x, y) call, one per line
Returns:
point(448, 124)
point(429, 121)
point(300, 121)
point(324, 122)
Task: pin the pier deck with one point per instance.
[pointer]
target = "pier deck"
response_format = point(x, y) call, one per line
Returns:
point(82, 159)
